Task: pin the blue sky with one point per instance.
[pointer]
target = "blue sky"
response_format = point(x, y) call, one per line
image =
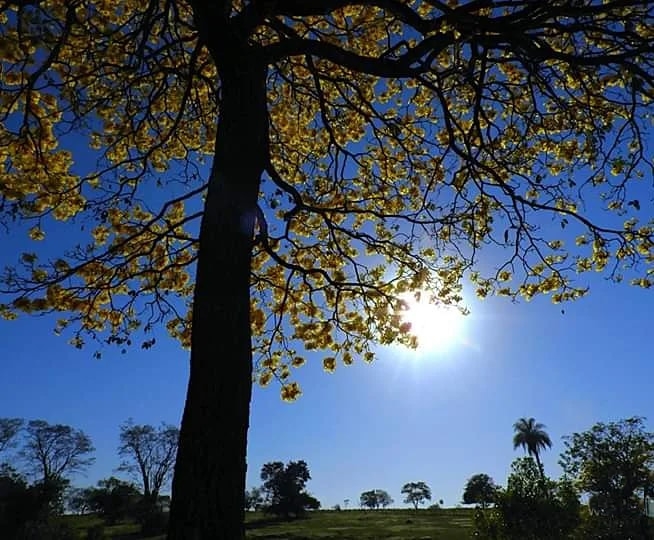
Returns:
point(434, 416)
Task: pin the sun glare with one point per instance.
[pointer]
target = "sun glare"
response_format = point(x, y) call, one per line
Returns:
point(437, 327)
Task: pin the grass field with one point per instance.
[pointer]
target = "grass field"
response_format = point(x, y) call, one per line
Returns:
point(450, 524)
point(454, 524)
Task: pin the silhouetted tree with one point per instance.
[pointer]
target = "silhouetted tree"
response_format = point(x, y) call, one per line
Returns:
point(611, 463)
point(375, 498)
point(115, 500)
point(53, 451)
point(285, 488)
point(526, 511)
point(254, 499)
point(27, 511)
point(51, 495)
point(148, 455)
point(368, 499)
point(417, 131)
point(480, 489)
point(9, 428)
point(533, 438)
point(78, 500)
point(416, 493)
point(385, 499)
point(16, 506)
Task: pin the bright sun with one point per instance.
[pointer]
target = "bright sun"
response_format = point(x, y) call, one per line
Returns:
point(437, 327)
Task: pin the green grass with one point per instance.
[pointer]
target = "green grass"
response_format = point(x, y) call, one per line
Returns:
point(119, 531)
point(451, 524)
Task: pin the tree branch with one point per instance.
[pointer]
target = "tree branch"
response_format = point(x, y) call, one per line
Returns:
point(407, 65)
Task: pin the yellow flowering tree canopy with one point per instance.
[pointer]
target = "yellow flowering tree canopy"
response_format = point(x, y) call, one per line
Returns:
point(411, 144)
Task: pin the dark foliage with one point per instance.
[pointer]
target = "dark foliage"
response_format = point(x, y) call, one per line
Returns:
point(480, 489)
point(253, 499)
point(115, 500)
point(526, 511)
point(375, 498)
point(284, 487)
point(612, 463)
point(27, 512)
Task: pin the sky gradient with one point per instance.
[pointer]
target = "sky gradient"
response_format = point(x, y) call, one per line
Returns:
point(437, 416)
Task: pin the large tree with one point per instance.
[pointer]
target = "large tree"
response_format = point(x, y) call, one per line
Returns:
point(480, 489)
point(284, 486)
point(612, 463)
point(148, 454)
point(416, 493)
point(532, 437)
point(53, 451)
point(360, 150)
point(375, 498)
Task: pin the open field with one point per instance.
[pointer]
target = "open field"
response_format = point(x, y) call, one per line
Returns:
point(453, 524)
point(450, 524)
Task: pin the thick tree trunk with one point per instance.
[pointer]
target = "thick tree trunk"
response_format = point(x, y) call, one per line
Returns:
point(146, 481)
point(209, 482)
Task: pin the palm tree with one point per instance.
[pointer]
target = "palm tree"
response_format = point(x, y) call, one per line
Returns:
point(533, 438)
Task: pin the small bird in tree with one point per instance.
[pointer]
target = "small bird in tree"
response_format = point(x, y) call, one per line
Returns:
point(533, 438)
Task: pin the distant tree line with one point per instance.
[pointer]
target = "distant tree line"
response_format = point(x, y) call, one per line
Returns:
point(611, 466)
point(415, 493)
point(37, 460)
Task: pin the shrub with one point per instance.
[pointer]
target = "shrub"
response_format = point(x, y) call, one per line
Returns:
point(154, 523)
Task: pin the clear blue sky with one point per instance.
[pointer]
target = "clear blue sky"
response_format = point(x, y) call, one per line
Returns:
point(438, 417)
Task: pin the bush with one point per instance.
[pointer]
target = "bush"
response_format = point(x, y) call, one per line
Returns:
point(488, 524)
point(154, 523)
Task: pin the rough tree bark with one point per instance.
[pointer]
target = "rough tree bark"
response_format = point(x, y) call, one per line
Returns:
point(209, 480)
